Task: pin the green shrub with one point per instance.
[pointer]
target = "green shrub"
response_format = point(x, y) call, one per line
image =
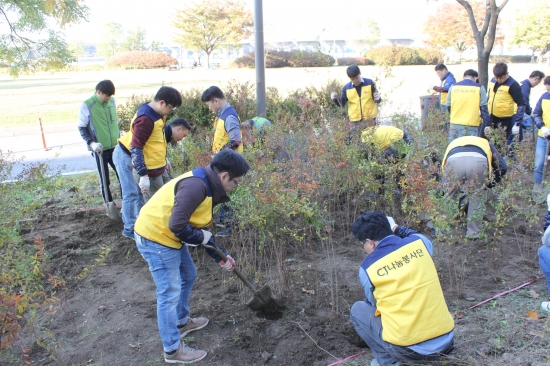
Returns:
point(140, 60)
point(430, 56)
point(510, 59)
point(295, 58)
point(347, 61)
point(394, 55)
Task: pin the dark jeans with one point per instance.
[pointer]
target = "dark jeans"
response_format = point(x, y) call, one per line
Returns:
point(107, 157)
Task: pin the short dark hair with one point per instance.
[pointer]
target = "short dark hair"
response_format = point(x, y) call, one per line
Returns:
point(230, 161)
point(537, 74)
point(353, 71)
point(471, 72)
point(439, 67)
point(211, 93)
point(547, 80)
point(371, 225)
point(169, 95)
point(500, 69)
point(181, 122)
point(106, 87)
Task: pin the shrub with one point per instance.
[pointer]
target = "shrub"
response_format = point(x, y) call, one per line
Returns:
point(394, 55)
point(430, 56)
point(347, 61)
point(287, 59)
point(510, 59)
point(141, 60)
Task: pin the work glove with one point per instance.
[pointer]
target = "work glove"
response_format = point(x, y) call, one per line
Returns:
point(207, 235)
point(376, 97)
point(545, 131)
point(393, 225)
point(437, 89)
point(96, 147)
point(486, 131)
point(515, 130)
point(144, 183)
point(229, 264)
point(334, 96)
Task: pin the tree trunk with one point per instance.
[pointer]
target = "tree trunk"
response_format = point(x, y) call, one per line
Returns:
point(208, 60)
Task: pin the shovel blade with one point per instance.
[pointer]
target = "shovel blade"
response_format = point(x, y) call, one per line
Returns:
point(261, 299)
point(112, 211)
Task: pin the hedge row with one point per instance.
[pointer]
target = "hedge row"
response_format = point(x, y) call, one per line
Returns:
point(288, 59)
point(141, 60)
point(510, 59)
point(400, 55)
point(347, 61)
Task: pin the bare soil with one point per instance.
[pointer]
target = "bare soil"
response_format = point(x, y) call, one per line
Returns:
point(107, 313)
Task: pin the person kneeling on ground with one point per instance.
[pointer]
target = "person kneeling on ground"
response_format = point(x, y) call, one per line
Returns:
point(544, 255)
point(404, 316)
point(470, 160)
point(174, 218)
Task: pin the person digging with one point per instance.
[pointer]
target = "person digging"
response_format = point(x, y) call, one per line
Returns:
point(173, 219)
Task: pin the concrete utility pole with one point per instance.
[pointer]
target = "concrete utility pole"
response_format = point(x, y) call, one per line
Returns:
point(260, 62)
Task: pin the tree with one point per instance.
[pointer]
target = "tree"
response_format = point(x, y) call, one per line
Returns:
point(135, 41)
point(532, 27)
point(27, 43)
point(76, 47)
point(156, 46)
point(210, 24)
point(363, 34)
point(109, 45)
point(486, 35)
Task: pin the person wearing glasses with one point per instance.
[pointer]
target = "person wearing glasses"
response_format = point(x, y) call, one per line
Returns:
point(227, 135)
point(175, 218)
point(143, 150)
point(404, 316)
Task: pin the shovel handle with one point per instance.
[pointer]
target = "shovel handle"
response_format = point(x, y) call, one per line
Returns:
point(236, 271)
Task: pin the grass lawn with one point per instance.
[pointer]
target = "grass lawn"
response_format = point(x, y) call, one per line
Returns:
point(56, 97)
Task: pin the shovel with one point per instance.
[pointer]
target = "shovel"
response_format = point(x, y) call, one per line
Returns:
point(110, 207)
point(261, 298)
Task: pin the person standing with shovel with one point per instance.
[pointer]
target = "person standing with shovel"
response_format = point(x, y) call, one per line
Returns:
point(542, 121)
point(173, 219)
point(98, 126)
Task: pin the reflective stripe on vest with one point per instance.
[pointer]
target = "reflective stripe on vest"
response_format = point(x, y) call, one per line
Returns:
point(382, 136)
point(501, 104)
point(221, 137)
point(154, 151)
point(361, 107)
point(545, 106)
point(465, 101)
point(153, 219)
point(408, 294)
point(482, 143)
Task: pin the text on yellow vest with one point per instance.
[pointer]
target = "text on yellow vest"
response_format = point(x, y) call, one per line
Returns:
point(465, 99)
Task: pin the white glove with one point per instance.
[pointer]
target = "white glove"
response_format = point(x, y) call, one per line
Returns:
point(207, 235)
point(486, 131)
point(545, 131)
point(96, 147)
point(334, 96)
point(229, 264)
point(515, 130)
point(144, 184)
point(548, 201)
point(393, 225)
point(376, 97)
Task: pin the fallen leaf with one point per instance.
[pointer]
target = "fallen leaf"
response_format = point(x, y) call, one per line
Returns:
point(534, 294)
point(533, 314)
point(311, 292)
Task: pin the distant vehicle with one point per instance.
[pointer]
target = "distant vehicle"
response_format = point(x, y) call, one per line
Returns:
point(173, 68)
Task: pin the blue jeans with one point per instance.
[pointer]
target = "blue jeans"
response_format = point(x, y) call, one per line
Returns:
point(174, 274)
point(544, 262)
point(539, 159)
point(456, 131)
point(132, 199)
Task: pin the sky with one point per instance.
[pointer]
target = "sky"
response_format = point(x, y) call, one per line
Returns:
point(283, 19)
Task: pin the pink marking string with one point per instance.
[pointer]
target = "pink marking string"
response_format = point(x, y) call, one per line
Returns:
point(348, 358)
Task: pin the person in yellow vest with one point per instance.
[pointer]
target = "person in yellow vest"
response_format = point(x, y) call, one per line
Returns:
point(392, 142)
point(143, 148)
point(361, 96)
point(504, 95)
point(404, 316)
point(465, 101)
point(174, 218)
point(542, 121)
point(447, 80)
point(227, 135)
point(470, 165)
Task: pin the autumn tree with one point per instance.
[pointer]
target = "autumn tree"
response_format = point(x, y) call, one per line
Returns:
point(211, 24)
point(532, 27)
point(135, 41)
point(27, 43)
point(110, 44)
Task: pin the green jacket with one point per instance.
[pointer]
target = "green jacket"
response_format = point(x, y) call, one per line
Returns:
point(103, 122)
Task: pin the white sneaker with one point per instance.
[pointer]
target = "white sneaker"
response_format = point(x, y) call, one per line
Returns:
point(545, 306)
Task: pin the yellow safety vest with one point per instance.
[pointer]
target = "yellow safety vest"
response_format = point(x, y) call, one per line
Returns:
point(362, 107)
point(221, 137)
point(382, 136)
point(152, 222)
point(501, 104)
point(412, 308)
point(154, 151)
point(482, 143)
point(465, 101)
point(545, 105)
